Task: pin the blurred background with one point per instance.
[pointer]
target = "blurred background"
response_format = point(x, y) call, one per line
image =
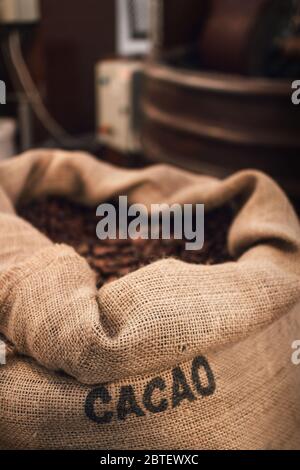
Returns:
point(203, 84)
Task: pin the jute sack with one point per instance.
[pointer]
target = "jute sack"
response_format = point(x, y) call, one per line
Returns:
point(171, 356)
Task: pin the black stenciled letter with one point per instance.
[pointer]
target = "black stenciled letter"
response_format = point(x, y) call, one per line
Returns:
point(157, 383)
point(204, 391)
point(100, 393)
point(127, 403)
point(181, 389)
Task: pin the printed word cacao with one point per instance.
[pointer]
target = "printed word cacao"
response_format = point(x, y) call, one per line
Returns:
point(157, 397)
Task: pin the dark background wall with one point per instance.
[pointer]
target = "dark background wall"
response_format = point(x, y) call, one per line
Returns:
point(72, 36)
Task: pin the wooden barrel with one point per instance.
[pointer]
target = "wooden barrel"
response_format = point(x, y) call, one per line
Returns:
point(221, 123)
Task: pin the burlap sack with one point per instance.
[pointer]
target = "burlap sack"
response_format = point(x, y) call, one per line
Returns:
point(170, 356)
